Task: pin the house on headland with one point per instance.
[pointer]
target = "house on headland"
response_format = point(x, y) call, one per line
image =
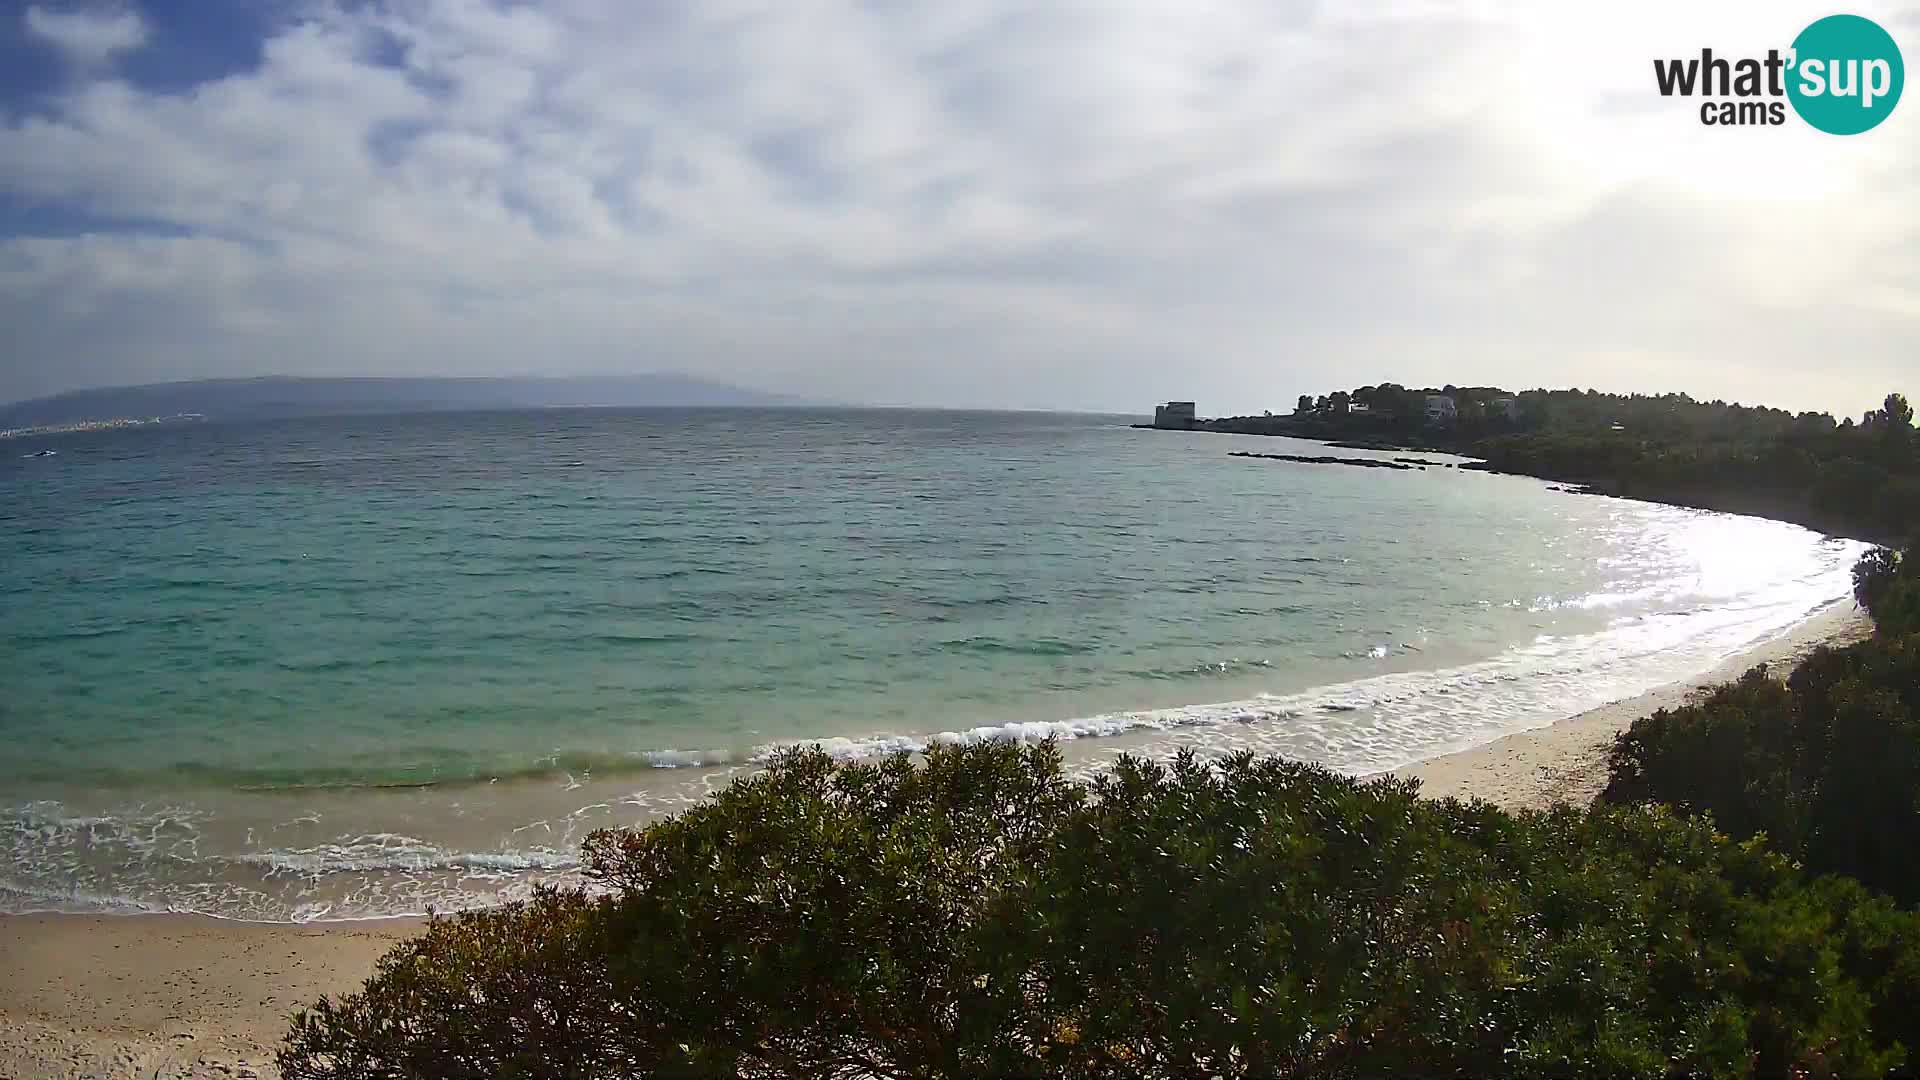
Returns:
point(1441, 409)
point(1178, 415)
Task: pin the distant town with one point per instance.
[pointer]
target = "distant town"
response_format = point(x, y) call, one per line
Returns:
point(98, 425)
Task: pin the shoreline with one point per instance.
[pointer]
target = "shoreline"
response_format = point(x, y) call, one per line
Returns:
point(191, 996)
point(1566, 761)
point(1795, 510)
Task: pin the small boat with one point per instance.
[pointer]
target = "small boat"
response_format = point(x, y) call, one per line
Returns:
point(42, 453)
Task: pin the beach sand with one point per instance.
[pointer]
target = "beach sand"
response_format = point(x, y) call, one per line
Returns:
point(168, 996)
point(178, 996)
point(1567, 762)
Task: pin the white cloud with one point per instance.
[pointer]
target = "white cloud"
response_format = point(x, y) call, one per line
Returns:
point(1073, 204)
point(89, 37)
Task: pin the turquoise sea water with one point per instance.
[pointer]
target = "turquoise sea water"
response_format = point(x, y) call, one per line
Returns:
point(343, 667)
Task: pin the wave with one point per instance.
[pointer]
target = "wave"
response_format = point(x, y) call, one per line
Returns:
point(146, 860)
point(50, 637)
point(392, 852)
point(1411, 715)
point(1032, 647)
point(682, 759)
point(1208, 670)
point(1424, 710)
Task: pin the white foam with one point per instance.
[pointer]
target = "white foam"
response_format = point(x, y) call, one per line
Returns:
point(686, 759)
point(1390, 720)
point(390, 852)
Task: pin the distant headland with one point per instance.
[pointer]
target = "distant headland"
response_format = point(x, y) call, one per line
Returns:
point(283, 396)
point(1858, 479)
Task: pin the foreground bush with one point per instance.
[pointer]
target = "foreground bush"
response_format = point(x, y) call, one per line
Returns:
point(1887, 584)
point(981, 915)
point(1825, 765)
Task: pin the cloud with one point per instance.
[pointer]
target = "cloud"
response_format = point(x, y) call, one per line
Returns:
point(89, 37)
point(998, 203)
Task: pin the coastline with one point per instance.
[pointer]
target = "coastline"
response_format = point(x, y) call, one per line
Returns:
point(1796, 508)
point(187, 996)
point(1567, 761)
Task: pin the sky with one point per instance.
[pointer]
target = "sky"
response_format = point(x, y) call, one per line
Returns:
point(1076, 204)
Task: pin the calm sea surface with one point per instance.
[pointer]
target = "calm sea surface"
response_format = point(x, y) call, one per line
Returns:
point(349, 667)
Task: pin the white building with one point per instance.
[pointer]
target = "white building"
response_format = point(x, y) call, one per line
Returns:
point(1440, 409)
point(1507, 407)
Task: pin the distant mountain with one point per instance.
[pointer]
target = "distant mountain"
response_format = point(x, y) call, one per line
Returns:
point(279, 396)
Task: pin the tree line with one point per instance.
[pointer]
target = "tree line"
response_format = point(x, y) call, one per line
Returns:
point(1859, 479)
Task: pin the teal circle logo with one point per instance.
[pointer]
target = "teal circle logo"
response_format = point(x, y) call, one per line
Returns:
point(1846, 75)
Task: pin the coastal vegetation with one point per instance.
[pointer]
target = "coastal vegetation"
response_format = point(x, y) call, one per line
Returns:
point(1857, 478)
point(981, 914)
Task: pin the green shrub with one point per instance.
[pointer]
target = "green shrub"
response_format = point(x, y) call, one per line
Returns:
point(1731, 754)
point(1888, 586)
point(1826, 765)
point(520, 990)
point(980, 915)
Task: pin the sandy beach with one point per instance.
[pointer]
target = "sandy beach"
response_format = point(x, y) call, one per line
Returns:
point(167, 996)
point(1566, 762)
point(176, 996)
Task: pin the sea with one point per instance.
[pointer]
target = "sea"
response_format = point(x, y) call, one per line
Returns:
point(346, 668)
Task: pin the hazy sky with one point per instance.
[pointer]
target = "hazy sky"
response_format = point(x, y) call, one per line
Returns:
point(1029, 203)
